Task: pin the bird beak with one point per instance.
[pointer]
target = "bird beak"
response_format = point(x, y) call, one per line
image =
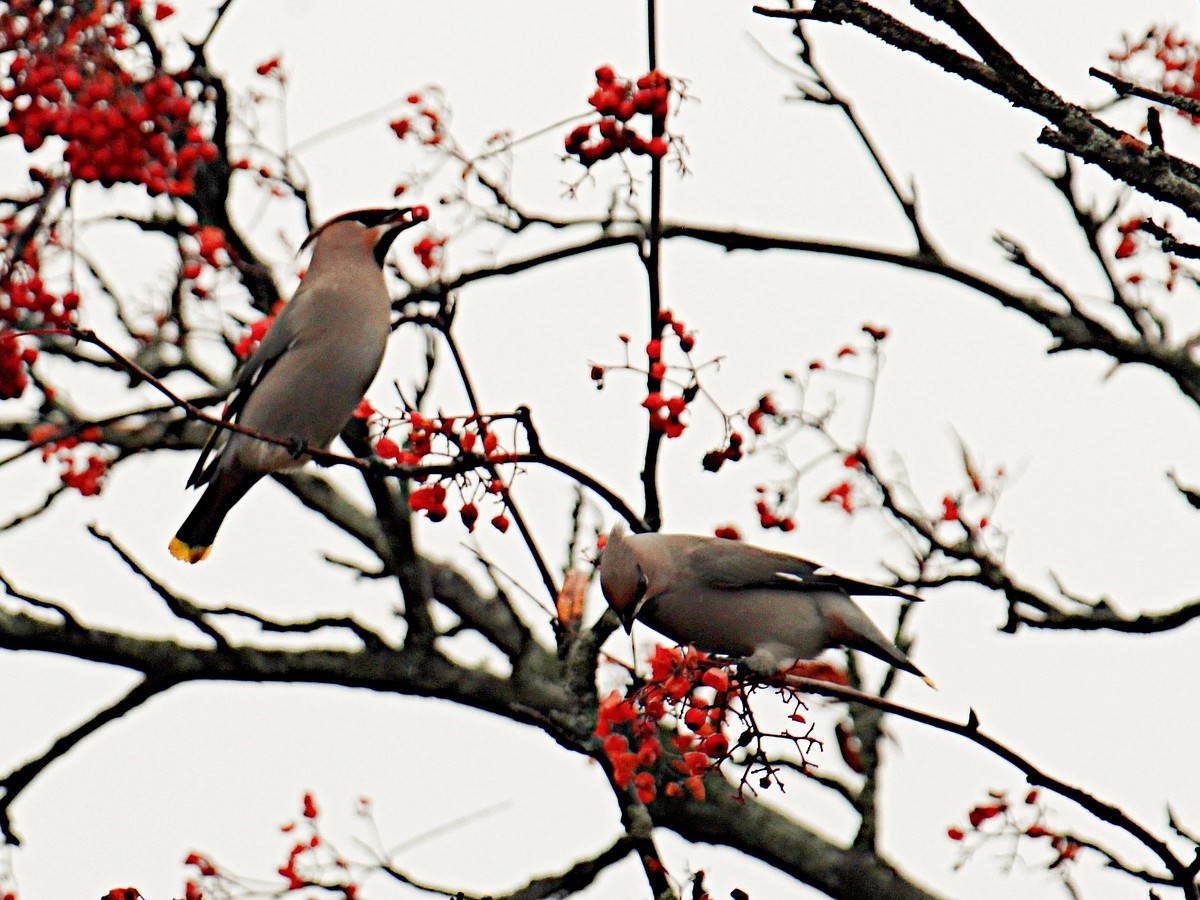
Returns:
point(393, 223)
point(406, 214)
point(630, 612)
point(406, 217)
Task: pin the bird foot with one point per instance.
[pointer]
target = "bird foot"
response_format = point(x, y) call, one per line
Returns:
point(761, 665)
point(297, 446)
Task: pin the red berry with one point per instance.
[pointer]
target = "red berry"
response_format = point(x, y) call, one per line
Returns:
point(469, 515)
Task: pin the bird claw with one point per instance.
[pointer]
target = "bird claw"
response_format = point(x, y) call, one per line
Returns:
point(297, 446)
point(762, 664)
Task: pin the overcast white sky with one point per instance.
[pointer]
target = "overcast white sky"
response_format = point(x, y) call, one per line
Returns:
point(218, 768)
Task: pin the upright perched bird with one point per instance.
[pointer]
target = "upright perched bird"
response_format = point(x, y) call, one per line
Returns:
point(310, 371)
point(728, 597)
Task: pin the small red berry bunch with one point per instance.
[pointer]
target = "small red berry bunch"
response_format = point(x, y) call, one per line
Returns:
point(971, 507)
point(13, 360)
point(770, 507)
point(424, 440)
point(430, 253)
point(425, 122)
point(1173, 62)
point(84, 467)
point(1000, 817)
point(256, 332)
point(26, 303)
point(312, 862)
point(206, 249)
point(619, 101)
point(842, 494)
point(194, 888)
point(664, 408)
point(1131, 247)
point(731, 452)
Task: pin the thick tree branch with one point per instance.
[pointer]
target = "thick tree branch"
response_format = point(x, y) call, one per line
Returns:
point(1072, 128)
point(780, 842)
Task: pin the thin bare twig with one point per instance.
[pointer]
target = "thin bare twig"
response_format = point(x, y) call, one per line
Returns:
point(181, 608)
point(1182, 873)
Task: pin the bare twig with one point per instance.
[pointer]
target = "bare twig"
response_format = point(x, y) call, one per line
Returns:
point(1183, 874)
point(181, 608)
point(20, 778)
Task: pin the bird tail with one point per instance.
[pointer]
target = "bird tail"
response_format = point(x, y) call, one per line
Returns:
point(194, 539)
point(882, 648)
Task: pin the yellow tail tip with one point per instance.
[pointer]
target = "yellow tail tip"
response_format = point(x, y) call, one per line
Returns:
point(187, 554)
point(925, 678)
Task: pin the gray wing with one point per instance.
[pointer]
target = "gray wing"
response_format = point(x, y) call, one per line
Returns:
point(278, 339)
point(732, 565)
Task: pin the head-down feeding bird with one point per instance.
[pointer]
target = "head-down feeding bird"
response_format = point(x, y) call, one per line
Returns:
point(727, 597)
point(307, 376)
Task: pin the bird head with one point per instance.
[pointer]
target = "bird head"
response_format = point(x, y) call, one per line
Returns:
point(378, 227)
point(621, 578)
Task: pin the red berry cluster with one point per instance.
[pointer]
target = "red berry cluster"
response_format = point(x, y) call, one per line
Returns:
point(430, 500)
point(445, 438)
point(971, 506)
point(25, 299)
point(768, 514)
point(840, 494)
point(765, 407)
point(704, 700)
point(27, 304)
point(13, 360)
point(257, 331)
point(1175, 59)
point(205, 869)
point(618, 100)
point(731, 452)
point(67, 80)
point(426, 121)
point(733, 449)
point(1130, 246)
point(430, 251)
point(681, 679)
point(311, 863)
point(666, 412)
point(211, 250)
point(84, 475)
point(1013, 822)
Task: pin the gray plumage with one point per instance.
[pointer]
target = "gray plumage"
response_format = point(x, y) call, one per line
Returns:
point(731, 598)
point(309, 372)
